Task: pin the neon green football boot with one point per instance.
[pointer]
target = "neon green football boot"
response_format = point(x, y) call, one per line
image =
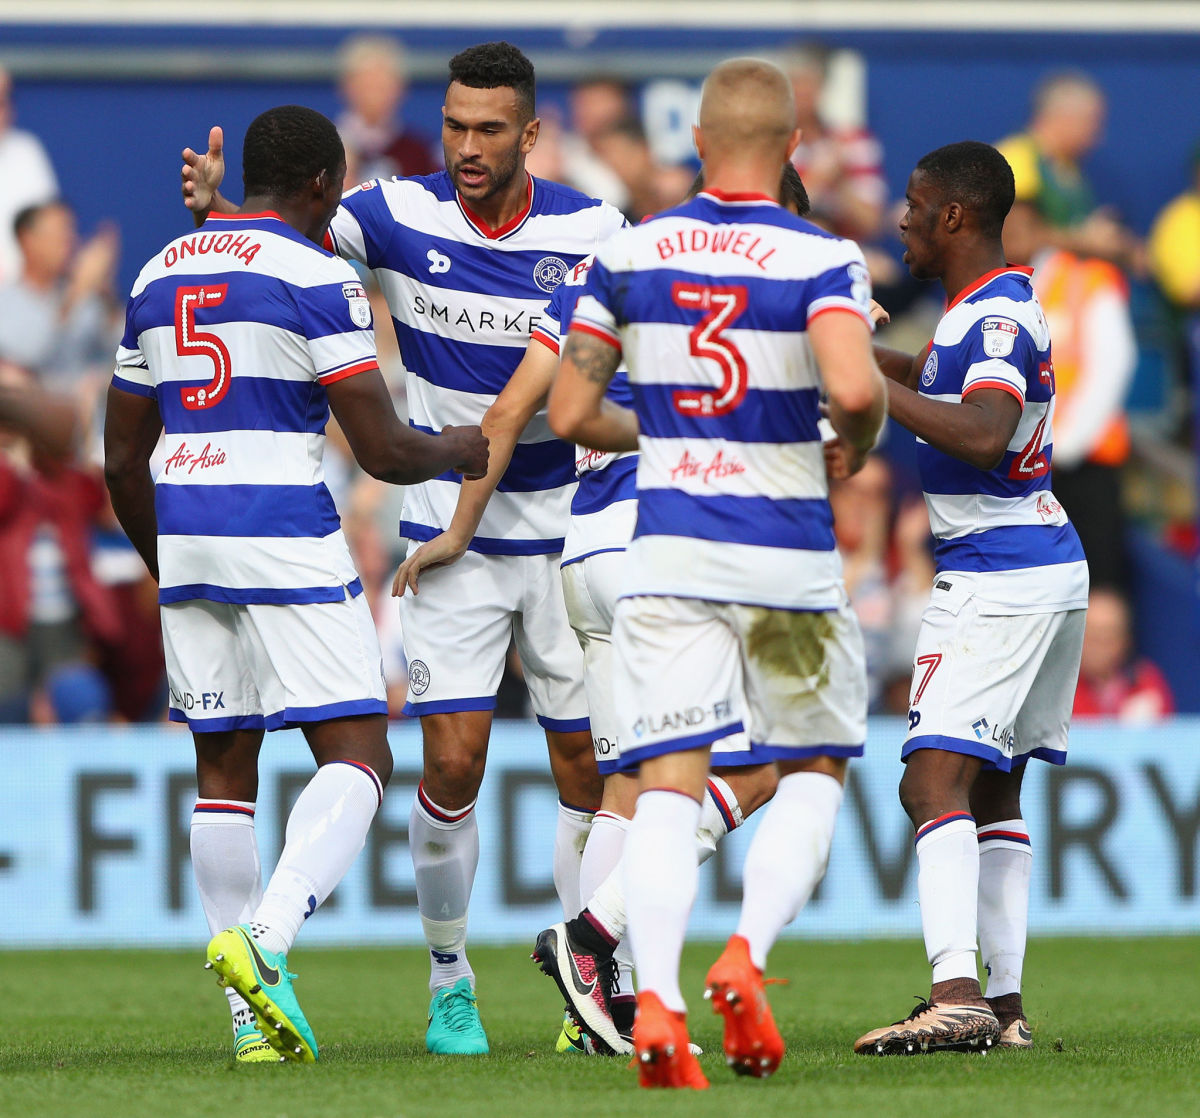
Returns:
point(251, 1047)
point(454, 1025)
point(262, 978)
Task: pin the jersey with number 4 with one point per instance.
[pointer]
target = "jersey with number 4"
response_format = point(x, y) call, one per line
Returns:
point(1000, 527)
point(710, 304)
point(235, 330)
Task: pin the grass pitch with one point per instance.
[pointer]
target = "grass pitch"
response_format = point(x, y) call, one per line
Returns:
point(97, 1033)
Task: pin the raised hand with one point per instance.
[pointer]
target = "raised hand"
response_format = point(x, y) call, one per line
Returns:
point(202, 174)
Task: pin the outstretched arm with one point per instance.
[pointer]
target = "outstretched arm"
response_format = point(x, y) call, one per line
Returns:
point(578, 410)
point(976, 431)
point(502, 425)
point(390, 450)
point(202, 174)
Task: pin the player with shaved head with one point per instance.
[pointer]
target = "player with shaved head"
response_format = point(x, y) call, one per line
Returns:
point(732, 315)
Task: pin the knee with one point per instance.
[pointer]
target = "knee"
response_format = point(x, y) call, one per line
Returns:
point(453, 779)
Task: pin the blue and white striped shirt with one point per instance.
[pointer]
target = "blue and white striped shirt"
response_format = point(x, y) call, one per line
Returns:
point(464, 299)
point(710, 304)
point(235, 329)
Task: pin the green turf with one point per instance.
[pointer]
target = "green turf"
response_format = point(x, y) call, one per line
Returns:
point(1116, 1024)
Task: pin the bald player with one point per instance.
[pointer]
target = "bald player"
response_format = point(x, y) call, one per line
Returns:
point(730, 314)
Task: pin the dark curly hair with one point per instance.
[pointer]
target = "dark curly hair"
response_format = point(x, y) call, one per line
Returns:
point(493, 65)
point(976, 175)
point(286, 148)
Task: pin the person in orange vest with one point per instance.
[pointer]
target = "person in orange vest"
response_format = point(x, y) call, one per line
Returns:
point(1086, 303)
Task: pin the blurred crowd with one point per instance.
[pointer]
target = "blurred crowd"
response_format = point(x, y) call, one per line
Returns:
point(79, 638)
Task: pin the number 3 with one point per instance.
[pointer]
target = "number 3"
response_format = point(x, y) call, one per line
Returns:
point(721, 306)
point(192, 342)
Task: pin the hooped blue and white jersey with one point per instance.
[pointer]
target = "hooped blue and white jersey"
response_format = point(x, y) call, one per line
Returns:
point(710, 304)
point(604, 507)
point(464, 299)
point(235, 329)
point(1003, 526)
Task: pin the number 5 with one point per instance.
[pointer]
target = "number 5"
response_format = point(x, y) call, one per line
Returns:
point(192, 342)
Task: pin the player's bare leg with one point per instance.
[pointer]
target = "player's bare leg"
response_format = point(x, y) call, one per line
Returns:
point(935, 792)
point(1005, 869)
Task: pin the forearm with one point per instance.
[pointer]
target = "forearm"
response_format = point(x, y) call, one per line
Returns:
point(960, 430)
point(132, 494)
point(895, 365)
point(860, 429)
point(609, 428)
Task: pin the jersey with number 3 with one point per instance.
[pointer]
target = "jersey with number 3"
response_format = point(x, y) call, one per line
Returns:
point(1002, 527)
point(235, 330)
point(710, 304)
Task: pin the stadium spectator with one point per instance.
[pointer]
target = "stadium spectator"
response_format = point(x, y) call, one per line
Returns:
point(373, 82)
point(596, 104)
point(264, 621)
point(842, 168)
point(457, 631)
point(26, 179)
point(1056, 205)
point(998, 652)
point(58, 320)
point(649, 187)
point(1113, 682)
point(1174, 252)
point(1086, 304)
point(718, 597)
point(54, 614)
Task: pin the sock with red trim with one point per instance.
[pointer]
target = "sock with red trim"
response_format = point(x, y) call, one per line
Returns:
point(228, 873)
point(787, 857)
point(720, 813)
point(570, 838)
point(661, 873)
point(445, 854)
point(325, 831)
point(947, 886)
point(1005, 870)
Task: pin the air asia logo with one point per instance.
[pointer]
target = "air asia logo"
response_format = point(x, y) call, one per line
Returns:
point(714, 469)
point(549, 272)
point(418, 677)
point(437, 262)
point(929, 373)
point(999, 336)
point(184, 459)
point(1048, 508)
point(360, 308)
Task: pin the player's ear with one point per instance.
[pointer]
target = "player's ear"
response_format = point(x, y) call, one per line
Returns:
point(698, 140)
point(952, 217)
point(529, 134)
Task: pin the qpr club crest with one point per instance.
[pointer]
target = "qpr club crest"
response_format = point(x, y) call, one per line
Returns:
point(418, 677)
point(360, 308)
point(549, 272)
point(929, 373)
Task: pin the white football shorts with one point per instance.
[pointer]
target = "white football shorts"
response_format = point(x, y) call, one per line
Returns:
point(457, 630)
point(995, 686)
point(246, 667)
point(591, 587)
point(682, 666)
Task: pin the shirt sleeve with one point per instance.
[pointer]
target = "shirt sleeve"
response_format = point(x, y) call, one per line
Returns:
point(132, 373)
point(845, 287)
point(336, 319)
point(597, 312)
point(362, 224)
point(998, 352)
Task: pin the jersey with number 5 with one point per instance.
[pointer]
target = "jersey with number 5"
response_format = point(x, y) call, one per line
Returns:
point(710, 304)
point(235, 329)
point(999, 525)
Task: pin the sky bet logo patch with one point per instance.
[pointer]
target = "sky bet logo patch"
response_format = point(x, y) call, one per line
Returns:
point(999, 336)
